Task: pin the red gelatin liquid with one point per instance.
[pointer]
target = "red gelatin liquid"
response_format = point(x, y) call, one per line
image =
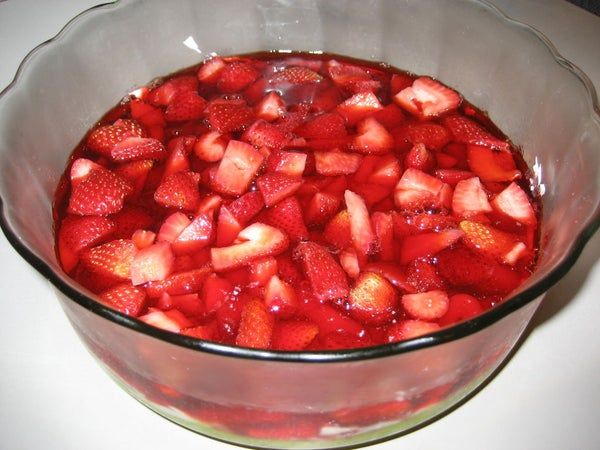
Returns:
point(297, 202)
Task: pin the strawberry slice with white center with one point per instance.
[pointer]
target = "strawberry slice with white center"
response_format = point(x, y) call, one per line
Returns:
point(179, 283)
point(101, 193)
point(197, 235)
point(426, 305)
point(274, 187)
point(78, 233)
point(210, 71)
point(226, 116)
point(373, 300)
point(161, 320)
point(143, 238)
point(427, 98)
point(514, 202)
point(468, 131)
point(280, 298)
point(210, 146)
point(469, 198)
point(349, 262)
point(490, 165)
point(287, 216)
point(136, 148)
point(427, 244)
point(179, 190)
point(271, 107)
point(80, 169)
point(335, 163)
point(294, 335)
point(255, 241)
point(153, 263)
point(408, 329)
point(112, 259)
point(414, 179)
point(326, 277)
point(359, 106)
point(125, 298)
point(372, 138)
point(287, 163)
point(361, 230)
point(238, 168)
point(103, 139)
point(492, 242)
point(172, 227)
point(256, 326)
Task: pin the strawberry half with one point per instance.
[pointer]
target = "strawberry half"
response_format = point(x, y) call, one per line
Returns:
point(335, 163)
point(125, 298)
point(271, 107)
point(337, 231)
point(136, 148)
point(287, 216)
point(255, 241)
point(294, 335)
point(327, 278)
point(78, 233)
point(427, 98)
point(469, 132)
point(408, 329)
point(426, 305)
point(226, 116)
point(274, 187)
point(372, 138)
point(461, 307)
point(101, 193)
point(280, 298)
point(235, 76)
point(469, 198)
point(178, 190)
point(323, 126)
point(287, 163)
point(80, 169)
point(321, 207)
point(238, 167)
point(210, 146)
point(186, 105)
point(358, 107)
point(103, 139)
point(197, 235)
point(112, 259)
point(492, 242)
point(373, 299)
point(514, 202)
point(361, 230)
point(265, 134)
point(256, 326)
point(434, 136)
point(152, 263)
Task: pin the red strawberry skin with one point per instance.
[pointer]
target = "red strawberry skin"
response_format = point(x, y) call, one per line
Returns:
point(226, 116)
point(125, 298)
point(112, 259)
point(287, 216)
point(101, 193)
point(327, 278)
point(103, 139)
point(179, 190)
point(256, 326)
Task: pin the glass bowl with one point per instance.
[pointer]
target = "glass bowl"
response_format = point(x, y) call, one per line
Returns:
point(300, 399)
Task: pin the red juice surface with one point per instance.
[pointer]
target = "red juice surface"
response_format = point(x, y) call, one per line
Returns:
point(297, 202)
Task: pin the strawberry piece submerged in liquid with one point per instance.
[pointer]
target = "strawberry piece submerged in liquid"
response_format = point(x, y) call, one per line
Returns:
point(297, 203)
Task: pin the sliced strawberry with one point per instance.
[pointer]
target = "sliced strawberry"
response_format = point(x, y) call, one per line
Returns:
point(453, 176)
point(136, 148)
point(152, 263)
point(294, 335)
point(343, 340)
point(408, 329)
point(372, 137)
point(261, 270)
point(179, 149)
point(400, 81)
point(172, 227)
point(226, 116)
point(488, 165)
point(165, 93)
point(287, 270)
point(215, 292)
point(203, 332)
point(492, 242)
point(265, 134)
point(337, 231)
point(125, 298)
point(136, 173)
point(470, 198)
point(413, 179)
point(390, 116)
point(420, 158)
point(426, 305)
point(280, 298)
point(274, 187)
point(427, 98)
point(256, 326)
point(445, 161)
point(104, 138)
point(101, 193)
point(373, 299)
point(188, 304)
point(235, 76)
point(228, 227)
point(361, 230)
point(384, 230)
point(287, 216)
point(178, 190)
point(393, 273)
point(145, 114)
point(78, 233)
point(462, 267)
point(197, 235)
point(112, 259)
point(256, 241)
point(321, 207)
point(246, 207)
point(271, 107)
point(427, 244)
point(238, 167)
point(179, 283)
point(210, 71)
point(467, 131)
point(349, 262)
point(130, 219)
point(323, 126)
point(210, 204)
point(161, 320)
point(415, 200)
point(186, 105)
point(80, 169)
point(359, 106)
point(296, 75)
point(514, 202)
point(461, 307)
point(210, 146)
point(334, 163)
point(433, 222)
point(423, 276)
point(327, 278)
point(430, 134)
point(143, 238)
point(287, 163)
point(386, 171)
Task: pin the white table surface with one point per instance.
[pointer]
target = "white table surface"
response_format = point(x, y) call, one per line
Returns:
point(53, 395)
